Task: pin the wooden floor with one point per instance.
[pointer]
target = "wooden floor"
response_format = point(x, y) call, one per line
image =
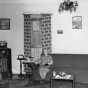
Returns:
point(23, 84)
point(36, 84)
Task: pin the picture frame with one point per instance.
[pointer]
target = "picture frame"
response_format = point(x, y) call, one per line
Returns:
point(4, 24)
point(59, 31)
point(77, 22)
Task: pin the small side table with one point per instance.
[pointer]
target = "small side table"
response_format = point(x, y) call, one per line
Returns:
point(52, 85)
point(61, 81)
point(21, 58)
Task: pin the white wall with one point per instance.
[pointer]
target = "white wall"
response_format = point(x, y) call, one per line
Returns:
point(71, 41)
point(15, 36)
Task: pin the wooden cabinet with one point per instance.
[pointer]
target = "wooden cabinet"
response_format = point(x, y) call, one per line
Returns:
point(5, 62)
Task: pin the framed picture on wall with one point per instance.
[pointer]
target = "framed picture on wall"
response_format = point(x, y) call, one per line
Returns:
point(4, 24)
point(77, 22)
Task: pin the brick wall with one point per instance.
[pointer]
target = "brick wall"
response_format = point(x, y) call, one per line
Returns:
point(27, 35)
point(45, 29)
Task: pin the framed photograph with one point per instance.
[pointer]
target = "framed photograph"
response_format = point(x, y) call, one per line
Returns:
point(4, 24)
point(59, 31)
point(77, 22)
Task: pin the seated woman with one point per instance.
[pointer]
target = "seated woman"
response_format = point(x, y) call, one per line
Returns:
point(45, 63)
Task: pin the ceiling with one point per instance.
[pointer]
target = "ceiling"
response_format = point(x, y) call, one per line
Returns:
point(27, 1)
